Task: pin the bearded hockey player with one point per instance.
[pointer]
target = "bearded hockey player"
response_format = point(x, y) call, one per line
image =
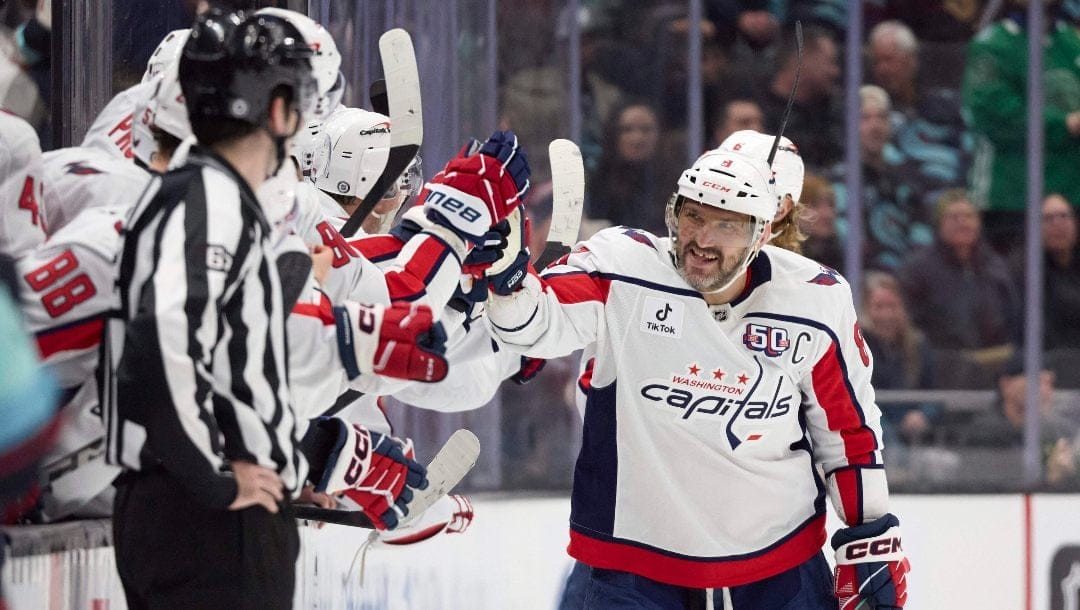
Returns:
point(704, 468)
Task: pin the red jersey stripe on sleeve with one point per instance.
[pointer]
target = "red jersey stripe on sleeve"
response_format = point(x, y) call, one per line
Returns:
point(411, 282)
point(323, 311)
point(83, 334)
point(849, 486)
point(378, 248)
point(842, 411)
point(582, 287)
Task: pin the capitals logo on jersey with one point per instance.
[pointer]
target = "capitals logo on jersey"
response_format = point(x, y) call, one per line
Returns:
point(827, 277)
point(81, 169)
point(639, 237)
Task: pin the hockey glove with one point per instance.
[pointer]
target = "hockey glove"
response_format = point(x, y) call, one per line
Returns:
point(506, 275)
point(450, 515)
point(871, 568)
point(401, 341)
point(385, 490)
point(343, 456)
point(475, 191)
point(530, 368)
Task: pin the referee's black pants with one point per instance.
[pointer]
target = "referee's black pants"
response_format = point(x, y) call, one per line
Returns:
point(173, 552)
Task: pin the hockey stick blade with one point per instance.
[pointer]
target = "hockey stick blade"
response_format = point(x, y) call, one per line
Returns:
point(445, 471)
point(568, 200)
point(406, 119)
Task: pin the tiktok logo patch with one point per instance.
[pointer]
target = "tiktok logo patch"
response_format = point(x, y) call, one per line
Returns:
point(662, 317)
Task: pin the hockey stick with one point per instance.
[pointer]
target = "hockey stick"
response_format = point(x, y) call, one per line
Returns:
point(377, 95)
point(791, 96)
point(568, 200)
point(445, 471)
point(406, 119)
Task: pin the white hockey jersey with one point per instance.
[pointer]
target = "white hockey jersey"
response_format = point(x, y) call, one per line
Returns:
point(66, 285)
point(22, 221)
point(707, 431)
point(80, 177)
point(111, 130)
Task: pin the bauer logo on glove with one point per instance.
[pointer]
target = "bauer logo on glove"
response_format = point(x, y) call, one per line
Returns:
point(476, 190)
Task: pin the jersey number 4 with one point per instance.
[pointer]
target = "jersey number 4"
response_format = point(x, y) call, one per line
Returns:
point(27, 201)
point(59, 297)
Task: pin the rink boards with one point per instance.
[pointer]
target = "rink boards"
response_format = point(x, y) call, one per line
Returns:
point(981, 551)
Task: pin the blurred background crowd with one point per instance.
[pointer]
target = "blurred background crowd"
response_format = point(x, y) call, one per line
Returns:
point(644, 86)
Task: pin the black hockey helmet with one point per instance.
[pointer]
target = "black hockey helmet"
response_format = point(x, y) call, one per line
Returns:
point(232, 64)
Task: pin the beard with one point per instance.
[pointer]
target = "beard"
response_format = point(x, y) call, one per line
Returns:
point(716, 275)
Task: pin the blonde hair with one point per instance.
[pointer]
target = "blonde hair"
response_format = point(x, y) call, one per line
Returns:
point(786, 231)
point(872, 95)
point(948, 198)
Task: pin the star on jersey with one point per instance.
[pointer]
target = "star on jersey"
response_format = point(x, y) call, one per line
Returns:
point(694, 370)
point(718, 374)
point(743, 378)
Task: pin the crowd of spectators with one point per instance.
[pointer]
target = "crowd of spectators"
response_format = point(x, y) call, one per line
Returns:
point(942, 134)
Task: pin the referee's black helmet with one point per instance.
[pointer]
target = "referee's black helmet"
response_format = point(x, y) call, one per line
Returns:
point(234, 65)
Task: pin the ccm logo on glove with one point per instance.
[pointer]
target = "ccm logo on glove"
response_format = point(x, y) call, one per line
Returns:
point(873, 548)
point(361, 457)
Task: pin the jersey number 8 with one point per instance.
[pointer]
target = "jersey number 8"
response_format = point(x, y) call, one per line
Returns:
point(62, 298)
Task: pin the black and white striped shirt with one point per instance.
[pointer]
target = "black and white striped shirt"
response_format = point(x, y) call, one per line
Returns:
point(197, 349)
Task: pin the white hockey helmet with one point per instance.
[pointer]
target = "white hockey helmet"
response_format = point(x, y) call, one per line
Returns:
point(727, 180)
point(167, 52)
point(111, 130)
point(164, 110)
point(787, 166)
point(326, 63)
point(353, 153)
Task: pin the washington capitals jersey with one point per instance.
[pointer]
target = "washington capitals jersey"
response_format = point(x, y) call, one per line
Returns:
point(711, 433)
point(79, 178)
point(22, 221)
point(66, 285)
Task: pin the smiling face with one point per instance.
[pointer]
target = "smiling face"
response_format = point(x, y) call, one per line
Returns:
point(712, 245)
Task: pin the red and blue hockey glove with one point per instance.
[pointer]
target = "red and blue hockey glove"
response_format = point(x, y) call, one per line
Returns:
point(475, 191)
point(871, 568)
point(385, 490)
point(401, 341)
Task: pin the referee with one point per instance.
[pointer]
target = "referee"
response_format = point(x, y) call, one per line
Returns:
point(198, 410)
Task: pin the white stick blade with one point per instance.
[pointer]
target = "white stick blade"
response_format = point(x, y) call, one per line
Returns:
point(446, 470)
point(568, 191)
point(402, 87)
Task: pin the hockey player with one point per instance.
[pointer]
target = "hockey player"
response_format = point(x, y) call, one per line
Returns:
point(22, 225)
point(757, 378)
point(248, 85)
point(355, 147)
